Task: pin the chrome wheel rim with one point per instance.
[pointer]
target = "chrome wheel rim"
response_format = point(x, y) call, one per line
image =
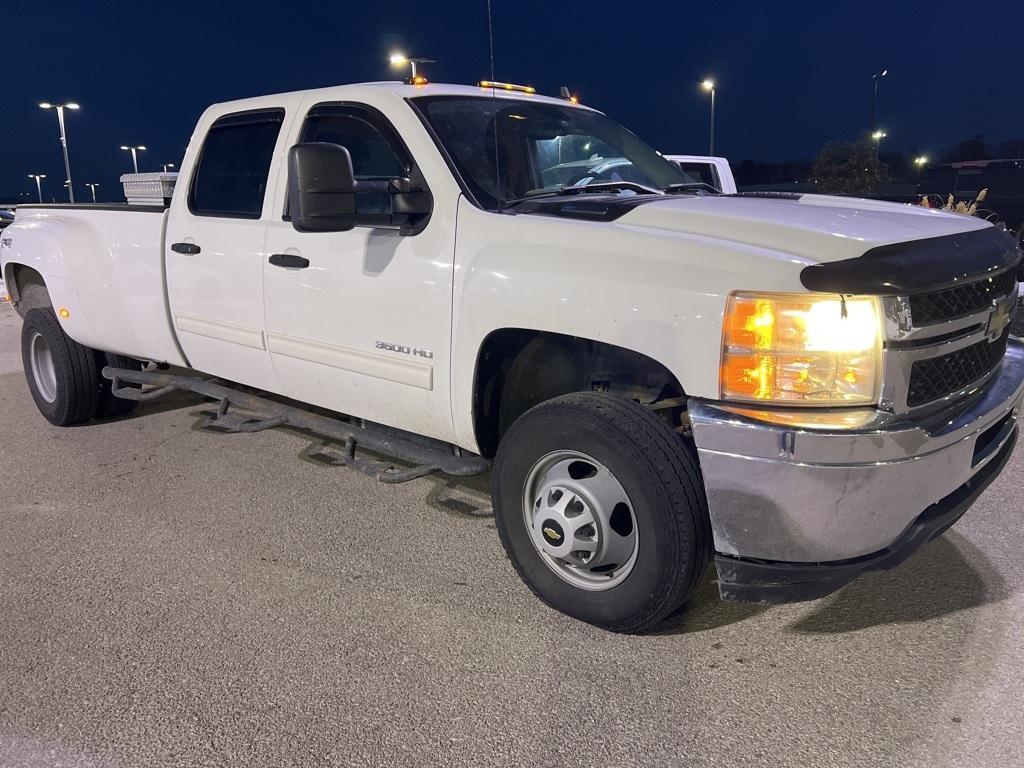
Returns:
point(580, 520)
point(43, 370)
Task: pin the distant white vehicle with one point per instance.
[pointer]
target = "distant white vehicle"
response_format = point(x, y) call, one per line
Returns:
point(713, 171)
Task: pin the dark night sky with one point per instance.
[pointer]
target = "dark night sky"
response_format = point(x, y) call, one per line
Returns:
point(792, 75)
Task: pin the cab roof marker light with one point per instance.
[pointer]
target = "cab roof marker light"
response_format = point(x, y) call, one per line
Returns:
point(506, 86)
point(568, 95)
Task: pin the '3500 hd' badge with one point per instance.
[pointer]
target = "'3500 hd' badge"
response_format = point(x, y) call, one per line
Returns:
point(404, 349)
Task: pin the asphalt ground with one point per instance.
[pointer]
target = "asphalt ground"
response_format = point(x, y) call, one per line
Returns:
point(172, 596)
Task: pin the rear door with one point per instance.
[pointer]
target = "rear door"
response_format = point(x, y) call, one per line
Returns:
point(362, 325)
point(215, 237)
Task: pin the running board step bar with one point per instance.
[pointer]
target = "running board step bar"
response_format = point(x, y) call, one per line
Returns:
point(427, 456)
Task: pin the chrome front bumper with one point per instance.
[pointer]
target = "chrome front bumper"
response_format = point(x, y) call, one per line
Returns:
point(822, 494)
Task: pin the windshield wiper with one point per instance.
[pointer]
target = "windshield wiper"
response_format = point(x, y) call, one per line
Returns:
point(599, 186)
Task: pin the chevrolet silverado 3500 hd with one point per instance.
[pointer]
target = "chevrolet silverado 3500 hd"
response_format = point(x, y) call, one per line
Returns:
point(797, 388)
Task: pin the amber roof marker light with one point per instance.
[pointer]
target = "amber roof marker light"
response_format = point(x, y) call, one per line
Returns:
point(568, 95)
point(506, 86)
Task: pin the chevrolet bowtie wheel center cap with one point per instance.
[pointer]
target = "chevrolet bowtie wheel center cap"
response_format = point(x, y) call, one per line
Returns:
point(580, 520)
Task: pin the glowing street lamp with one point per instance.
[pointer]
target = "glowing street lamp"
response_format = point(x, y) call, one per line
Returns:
point(39, 183)
point(92, 188)
point(874, 99)
point(63, 140)
point(400, 60)
point(877, 137)
point(167, 165)
point(920, 161)
point(709, 85)
point(133, 150)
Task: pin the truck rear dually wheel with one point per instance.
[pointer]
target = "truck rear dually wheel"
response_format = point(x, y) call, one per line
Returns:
point(601, 509)
point(61, 373)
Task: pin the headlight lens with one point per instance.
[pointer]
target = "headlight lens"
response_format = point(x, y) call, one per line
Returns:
point(802, 349)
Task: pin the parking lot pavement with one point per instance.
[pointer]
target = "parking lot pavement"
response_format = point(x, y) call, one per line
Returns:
point(171, 596)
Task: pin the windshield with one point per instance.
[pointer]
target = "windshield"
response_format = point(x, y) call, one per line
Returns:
point(505, 150)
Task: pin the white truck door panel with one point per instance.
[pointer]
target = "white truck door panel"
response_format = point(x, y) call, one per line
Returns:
point(216, 292)
point(365, 327)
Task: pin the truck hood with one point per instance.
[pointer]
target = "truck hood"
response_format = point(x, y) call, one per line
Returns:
point(817, 228)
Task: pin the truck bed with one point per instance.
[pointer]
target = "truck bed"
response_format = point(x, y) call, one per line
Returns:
point(103, 264)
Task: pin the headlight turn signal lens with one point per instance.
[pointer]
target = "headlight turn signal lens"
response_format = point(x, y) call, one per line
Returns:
point(802, 349)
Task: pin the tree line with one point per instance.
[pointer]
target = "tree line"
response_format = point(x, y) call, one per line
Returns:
point(862, 169)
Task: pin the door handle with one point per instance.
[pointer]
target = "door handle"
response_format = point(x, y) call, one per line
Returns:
point(189, 249)
point(288, 260)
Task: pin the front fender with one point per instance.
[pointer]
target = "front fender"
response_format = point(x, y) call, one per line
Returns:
point(658, 293)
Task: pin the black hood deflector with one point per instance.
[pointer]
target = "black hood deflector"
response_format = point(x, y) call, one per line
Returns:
point(918, 265)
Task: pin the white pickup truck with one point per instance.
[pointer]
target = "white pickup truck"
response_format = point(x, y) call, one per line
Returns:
point(796, 388)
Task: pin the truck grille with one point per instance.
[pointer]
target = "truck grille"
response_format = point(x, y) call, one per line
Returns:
point(961, 301)
point(937, 377)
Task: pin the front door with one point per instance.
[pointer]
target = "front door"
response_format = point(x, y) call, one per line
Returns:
point(215, 258)
point(359, 322)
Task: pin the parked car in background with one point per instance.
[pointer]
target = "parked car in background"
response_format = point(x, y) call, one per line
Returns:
point(1004, 180)
point(713, 171)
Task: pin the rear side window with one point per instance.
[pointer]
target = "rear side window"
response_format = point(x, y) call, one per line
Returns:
point(230, 179)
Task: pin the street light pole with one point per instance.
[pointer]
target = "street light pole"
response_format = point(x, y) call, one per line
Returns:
point(709, 85)
point(167, 165)
point(63, 140)
point(400, 59)
point(874, 99)
point(92, 188)
point(135, 159)
point(878, 136)
point(39, 183)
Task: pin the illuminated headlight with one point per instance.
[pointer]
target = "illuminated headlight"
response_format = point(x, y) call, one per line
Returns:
point(794, 348)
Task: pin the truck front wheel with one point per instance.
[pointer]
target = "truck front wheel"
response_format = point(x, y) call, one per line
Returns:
point(601, 509)
point(61, 373)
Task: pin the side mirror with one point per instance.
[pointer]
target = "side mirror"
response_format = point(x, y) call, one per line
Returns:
point(321, 188)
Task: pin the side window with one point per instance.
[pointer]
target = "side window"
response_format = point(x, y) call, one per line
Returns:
point(969, 181)
point(701, 172)
point(370, 140)
point(230, 178)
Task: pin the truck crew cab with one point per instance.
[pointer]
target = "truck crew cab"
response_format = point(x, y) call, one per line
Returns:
point(796, 388)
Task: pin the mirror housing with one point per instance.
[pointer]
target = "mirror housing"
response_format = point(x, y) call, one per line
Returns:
point(321, 188)
point(323, 195)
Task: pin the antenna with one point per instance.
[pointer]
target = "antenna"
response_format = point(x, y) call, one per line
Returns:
point(494, 103)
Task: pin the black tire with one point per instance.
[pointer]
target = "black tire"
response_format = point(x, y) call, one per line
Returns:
point(75, 391)
point(107, 405)
point(659, 472)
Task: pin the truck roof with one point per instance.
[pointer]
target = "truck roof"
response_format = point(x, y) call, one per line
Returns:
point(404, 90)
